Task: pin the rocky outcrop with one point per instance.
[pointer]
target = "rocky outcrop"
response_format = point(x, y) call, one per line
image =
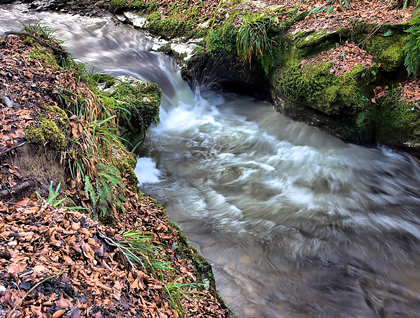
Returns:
point(137, 104)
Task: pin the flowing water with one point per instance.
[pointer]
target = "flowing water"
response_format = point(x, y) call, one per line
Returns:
point(295, 222)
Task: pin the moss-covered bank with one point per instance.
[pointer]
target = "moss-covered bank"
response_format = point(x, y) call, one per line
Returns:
point(136, 103)
point(343, 104)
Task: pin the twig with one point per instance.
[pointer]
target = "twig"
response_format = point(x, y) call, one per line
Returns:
point(37, 39)
point(30, 290)
point(10, 149)
point(19, 188)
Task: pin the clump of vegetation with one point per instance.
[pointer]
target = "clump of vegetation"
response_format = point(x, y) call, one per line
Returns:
point(395, 119)
point(216, 42)
point(387, 50)
point(316, 86)
point(140, 5)
point(136, 104)
point(46, 133)
point(85, 128)
point(253, 38)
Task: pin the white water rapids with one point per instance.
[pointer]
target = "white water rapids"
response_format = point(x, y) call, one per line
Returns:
point(294, 222)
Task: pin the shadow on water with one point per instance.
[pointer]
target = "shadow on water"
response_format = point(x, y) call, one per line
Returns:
point(295, 222)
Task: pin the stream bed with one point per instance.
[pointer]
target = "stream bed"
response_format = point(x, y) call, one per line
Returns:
point(295, 222)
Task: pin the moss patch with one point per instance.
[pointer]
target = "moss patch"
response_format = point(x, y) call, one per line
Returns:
point(316, 87)
point(58, 114)
point(105, 79)
point(387, 50)
point(395, 122)
point(136, 104)
point(174, 26)
point(47, 132)
point(136, 5)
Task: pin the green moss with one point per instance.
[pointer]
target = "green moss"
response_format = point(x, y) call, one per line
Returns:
point(105, 79)
point(174, 26)
point(331, 94)
point(312, 39)
point(316, 87)
point(137, 5)
point(395, 122)
point(47, 132)
point(136, 104)
point(58, 114)
point(222, 37)
point(387, 50)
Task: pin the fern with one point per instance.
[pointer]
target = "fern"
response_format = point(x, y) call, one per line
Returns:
point(412, 49)
point(110, 189)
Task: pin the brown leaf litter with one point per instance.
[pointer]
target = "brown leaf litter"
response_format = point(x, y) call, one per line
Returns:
point(343, 58)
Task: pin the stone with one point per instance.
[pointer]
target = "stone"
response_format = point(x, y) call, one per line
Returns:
point(158, 43)
point(184, 48)
point(136, 20)
point(121, 18)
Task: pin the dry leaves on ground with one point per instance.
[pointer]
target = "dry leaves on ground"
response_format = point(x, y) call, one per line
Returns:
point(343, 58)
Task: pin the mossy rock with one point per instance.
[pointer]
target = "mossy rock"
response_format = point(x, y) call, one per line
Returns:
point(396, 121)
point(46, 132)
point(137, 104)
point(134, 5)
point(387, 50)
point(330, 94)
point(105, 80)
point(174, 26)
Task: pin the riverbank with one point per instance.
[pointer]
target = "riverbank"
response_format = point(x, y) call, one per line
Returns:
point(63, 165)
point(343, 67)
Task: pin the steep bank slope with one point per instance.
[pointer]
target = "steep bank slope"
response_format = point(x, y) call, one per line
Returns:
point(59, 138)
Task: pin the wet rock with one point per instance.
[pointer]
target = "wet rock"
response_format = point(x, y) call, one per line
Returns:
point(139, 98)
point(136, 20)
point(185, 49)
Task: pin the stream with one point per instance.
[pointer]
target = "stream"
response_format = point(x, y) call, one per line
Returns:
point(295, 222)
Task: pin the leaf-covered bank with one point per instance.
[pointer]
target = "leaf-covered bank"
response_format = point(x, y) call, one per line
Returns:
point(63, 164)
